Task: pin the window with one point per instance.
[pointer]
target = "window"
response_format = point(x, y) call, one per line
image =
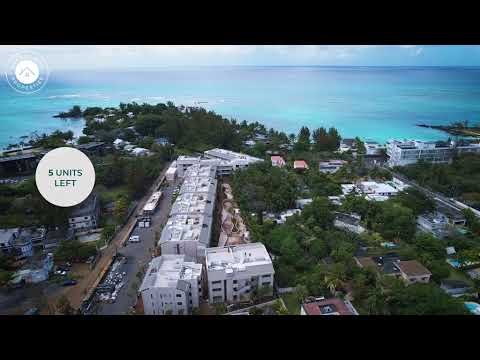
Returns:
point(217, 289)
point(179, 303)
point(235, 281)
point(216, 282)
point(178, 295)
point(266, 276)
point(151, 296)
point(234, 289)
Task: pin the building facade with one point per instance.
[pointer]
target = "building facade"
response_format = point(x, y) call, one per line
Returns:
point(235, 272)
point(171, 285)
point(85, 215)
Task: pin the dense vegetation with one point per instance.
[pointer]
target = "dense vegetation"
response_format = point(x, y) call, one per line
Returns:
point(459, 179)
point(22, 205)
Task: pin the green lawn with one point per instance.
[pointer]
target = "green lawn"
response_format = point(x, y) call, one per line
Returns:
point(111, 194)
point(291, 303)
point(456, 274)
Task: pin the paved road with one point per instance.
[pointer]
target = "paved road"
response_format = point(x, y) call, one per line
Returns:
point(426, 191)
point(87, 284)
point(138, 256)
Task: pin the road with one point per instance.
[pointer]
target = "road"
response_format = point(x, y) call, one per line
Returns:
point(138, 256)
point(85, 286)
point(426, 191)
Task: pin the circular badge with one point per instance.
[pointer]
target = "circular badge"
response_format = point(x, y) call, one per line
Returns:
point(65, 177)
point(27, 72)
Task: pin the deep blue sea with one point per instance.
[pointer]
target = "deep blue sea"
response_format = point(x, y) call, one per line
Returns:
point(375, 103)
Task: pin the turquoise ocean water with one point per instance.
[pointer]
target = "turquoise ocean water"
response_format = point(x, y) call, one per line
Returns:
point(376, 103)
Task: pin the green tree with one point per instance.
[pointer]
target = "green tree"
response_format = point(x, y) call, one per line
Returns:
point(303, 140)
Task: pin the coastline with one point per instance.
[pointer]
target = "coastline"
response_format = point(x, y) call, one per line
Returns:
point(473, 132)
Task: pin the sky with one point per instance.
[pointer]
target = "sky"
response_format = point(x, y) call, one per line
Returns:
point(71, 57)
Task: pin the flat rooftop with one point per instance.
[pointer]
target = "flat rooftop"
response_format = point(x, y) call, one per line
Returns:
point(334, 306)
point(194, 203)
point(198, 184)
point(201, 170)
point(167, 270)
point(186, 227)
point(230, 155)
point(237, 257)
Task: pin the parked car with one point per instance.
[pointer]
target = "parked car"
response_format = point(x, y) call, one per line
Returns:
point(69, 282)
point(134, 239)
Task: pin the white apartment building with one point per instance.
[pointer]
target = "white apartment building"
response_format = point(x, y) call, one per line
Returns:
point(194, 203)
point(406, 152)
point(375, 188)
point(186, 234)
point(230, 160)
point(224, 161)
point(234, 272)
point(171, 285)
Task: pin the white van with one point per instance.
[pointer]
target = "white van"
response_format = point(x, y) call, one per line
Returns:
point(134, 239)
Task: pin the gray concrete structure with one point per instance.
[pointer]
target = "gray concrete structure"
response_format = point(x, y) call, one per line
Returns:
point(234, 272)
point(171, 285)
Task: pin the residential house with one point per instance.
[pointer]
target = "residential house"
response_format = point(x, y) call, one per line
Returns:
point(435, 223)
point(347, 145)
point(413, 272)
point(300, 165)
point(301, 203)
point(249, 143)
point(277, 161)
point(474, 273)
point(234, 272)
point(457, 288)
point(386, 264)
point(349, 222)
point(84, 216)
point(172, 285)
point(333, 306)
point(119, 143)
point(138, 151)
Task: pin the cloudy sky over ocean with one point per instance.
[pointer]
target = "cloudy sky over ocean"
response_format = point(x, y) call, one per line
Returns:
point(67, 57)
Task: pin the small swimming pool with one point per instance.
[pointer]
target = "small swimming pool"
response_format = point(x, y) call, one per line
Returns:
point(473, 307)
point(455, 263)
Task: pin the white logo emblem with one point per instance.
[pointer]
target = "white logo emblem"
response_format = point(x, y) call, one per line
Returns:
point(27, 72)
